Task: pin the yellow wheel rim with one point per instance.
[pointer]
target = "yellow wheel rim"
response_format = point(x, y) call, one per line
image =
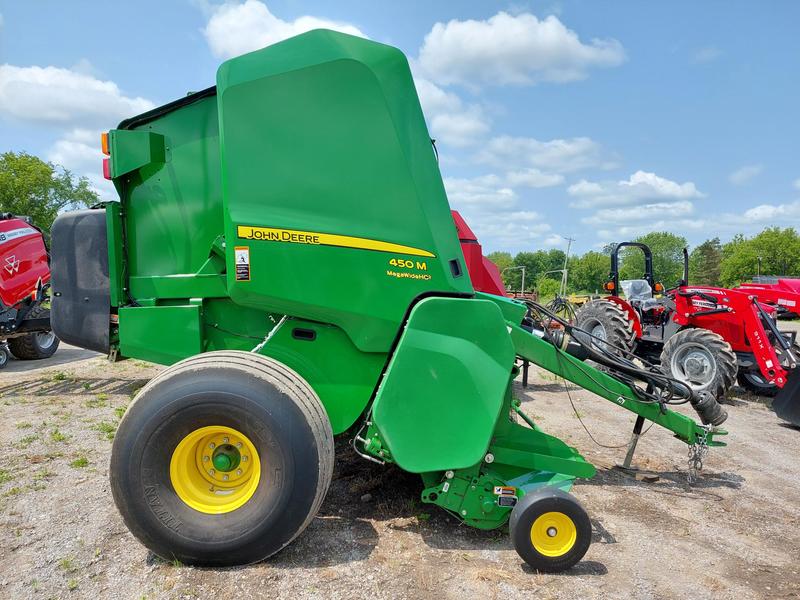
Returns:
point(553, 534)
point(215, 469)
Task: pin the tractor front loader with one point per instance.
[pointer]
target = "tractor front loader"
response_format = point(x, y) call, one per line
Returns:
point(283, 240)
point(706, 336)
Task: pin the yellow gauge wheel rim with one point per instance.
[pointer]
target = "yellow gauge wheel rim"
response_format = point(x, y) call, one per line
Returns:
point(215, 469)
point(553, 534)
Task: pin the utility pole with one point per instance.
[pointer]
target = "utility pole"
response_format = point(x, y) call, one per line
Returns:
point(563, 289)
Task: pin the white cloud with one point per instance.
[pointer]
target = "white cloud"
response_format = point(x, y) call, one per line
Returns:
point(235, 29)
point(449, 119)
point(507, 230)
point(554, 240)
point(641, 187)
point(796, 184)
point(54, 95)
point(554, 156)
point(487, 192)
point(706, 54)
point(745, 174)
point(534, 178)
point(512, 49)
point(631, 231)
point(646, 212)
point(79, 151)
point(774, 214)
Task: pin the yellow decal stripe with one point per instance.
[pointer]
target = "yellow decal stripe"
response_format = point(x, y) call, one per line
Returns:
point(294, 236)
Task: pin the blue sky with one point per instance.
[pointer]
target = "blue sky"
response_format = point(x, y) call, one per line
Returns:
point(599, 121)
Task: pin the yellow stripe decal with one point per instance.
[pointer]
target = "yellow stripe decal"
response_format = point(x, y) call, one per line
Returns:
point(293, 236)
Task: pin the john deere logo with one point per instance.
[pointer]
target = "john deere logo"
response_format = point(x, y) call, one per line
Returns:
point(12, 264)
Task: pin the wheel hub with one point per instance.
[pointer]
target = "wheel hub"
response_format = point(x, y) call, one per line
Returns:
point(695, 364)
point(215, 469)
point(553, 534)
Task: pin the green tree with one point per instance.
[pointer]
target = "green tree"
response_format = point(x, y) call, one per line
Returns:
point(588, 272)
point(705, 263)
point(667, 249)
point(31, 187)
point(778, 249)
point(503, 260)
point(547, 287)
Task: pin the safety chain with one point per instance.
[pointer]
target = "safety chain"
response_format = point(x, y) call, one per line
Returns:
point(697, 452)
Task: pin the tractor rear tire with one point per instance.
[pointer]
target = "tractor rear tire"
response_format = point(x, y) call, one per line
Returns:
point(550, 530)
point(702, 359)
point(754, 382)
point(607, 321)
point(34, 346)
point(222, 459)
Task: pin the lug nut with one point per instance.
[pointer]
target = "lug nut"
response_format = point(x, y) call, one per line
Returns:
point(212, 445)
point(225, 478)
point(205, 459)
point(238, 444)
point(238, 471)
point(211, 471)
point(244, 459)
point(225, 440)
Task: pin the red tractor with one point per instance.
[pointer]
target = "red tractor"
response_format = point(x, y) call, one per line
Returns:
point(781, 293)
point(705, 336)
point(24, 281)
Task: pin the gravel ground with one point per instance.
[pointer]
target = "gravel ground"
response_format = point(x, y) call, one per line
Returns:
point(733, 534)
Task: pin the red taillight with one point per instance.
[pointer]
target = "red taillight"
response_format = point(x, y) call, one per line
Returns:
point(106, 168)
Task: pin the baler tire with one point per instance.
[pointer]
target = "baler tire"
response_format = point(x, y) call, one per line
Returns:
point(275, 414)
point(4, 356)
point(30, 345)
point(617, 326)
point(716, 347)
point(566, 547)
point(754, 382)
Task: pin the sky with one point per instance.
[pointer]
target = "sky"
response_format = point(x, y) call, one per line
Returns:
point(597, 121)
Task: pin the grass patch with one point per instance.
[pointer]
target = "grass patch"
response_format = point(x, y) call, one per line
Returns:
point(57, 436)
point(99, 401)
point(79, 463)
point(72, 584)
point(24, 425)
point(43, 474)
point(108, 430)
point(60, 376)
point(27, 441)
point(12, 492)
point(120, 411)
point(5, 476)
point(67, 565)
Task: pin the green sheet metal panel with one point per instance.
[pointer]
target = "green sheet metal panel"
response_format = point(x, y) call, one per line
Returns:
point(331, 186)
point(343, 377)
point(172, 206)
point(160, 334)
point(444, 387)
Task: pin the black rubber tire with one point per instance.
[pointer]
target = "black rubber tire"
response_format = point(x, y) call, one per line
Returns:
point(535, 504)
point(754, 382)
point(716, 346)
point(267, 402)
point(4, 356)
point(615, 322)
point(29, 346)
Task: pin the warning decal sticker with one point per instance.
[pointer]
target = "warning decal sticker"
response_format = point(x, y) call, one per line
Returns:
point(242, 257)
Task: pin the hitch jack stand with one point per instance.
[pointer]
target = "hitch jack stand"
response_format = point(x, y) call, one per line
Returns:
point(637, 432)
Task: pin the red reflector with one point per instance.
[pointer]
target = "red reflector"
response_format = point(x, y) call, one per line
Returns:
point(106, 168)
